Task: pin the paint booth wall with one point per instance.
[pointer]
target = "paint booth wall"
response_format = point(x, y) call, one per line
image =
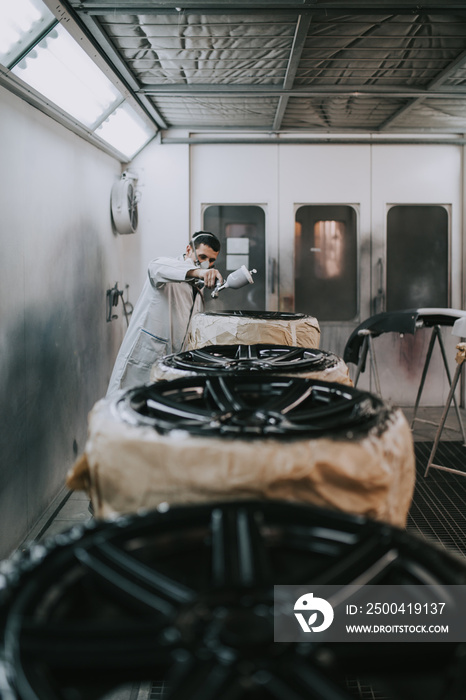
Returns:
point(59, 255)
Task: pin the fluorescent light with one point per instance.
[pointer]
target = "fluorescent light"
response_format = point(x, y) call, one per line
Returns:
point(21, 22)
point(125, 130)
point(60, 70)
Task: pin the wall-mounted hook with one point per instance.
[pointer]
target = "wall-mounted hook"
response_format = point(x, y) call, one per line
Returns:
point(112, 300)
point(127, 305)
point(113, 295)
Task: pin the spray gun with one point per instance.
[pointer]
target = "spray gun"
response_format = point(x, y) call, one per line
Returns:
point(235, 280)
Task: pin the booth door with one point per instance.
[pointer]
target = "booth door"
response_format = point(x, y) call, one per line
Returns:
point(325, 279)
point(417, 258)
point(241, 230)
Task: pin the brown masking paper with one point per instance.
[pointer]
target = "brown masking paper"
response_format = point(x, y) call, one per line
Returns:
point(129, 469)
point(243, 330)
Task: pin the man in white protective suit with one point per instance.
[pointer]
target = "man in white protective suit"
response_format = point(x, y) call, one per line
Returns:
point(160, 320)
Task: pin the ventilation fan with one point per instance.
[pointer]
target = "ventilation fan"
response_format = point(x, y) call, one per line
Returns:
point(124, 202)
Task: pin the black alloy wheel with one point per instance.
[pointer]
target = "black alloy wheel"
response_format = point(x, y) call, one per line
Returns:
point(186, 596)
point(249, 405)
point(250, 358)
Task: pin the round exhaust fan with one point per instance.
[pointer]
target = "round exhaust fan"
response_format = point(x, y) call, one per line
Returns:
point(124, 201)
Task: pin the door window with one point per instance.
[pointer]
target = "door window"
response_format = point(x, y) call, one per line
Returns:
point(417, 257)
point(326, 262)
point(241, 230)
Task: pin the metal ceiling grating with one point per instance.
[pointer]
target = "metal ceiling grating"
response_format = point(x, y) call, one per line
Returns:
point(203, 49)
point(456, 77)
point(442, 115)
point(339, 113)
point(218, 112)
point(325, 65)
point(386, 50)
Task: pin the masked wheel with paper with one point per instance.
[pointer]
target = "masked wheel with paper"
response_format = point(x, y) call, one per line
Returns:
point(187, 596)
point(206, 438)
point(268, 359)
point(253, 327)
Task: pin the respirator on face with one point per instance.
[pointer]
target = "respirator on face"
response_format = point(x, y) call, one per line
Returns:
point(205, 264)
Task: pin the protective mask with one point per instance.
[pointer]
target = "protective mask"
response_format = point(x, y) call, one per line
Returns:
point(204, 265)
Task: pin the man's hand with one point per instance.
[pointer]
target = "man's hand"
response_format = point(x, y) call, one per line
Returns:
point(211, 277)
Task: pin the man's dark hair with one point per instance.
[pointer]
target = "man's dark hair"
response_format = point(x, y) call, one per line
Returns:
point(207, 238)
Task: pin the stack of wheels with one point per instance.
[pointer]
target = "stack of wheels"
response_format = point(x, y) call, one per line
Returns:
point(252, 327)
point(246, 435)
point(187, 597)
point(282, 360)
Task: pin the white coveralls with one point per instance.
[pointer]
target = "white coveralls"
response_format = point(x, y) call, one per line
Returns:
point(158, 323)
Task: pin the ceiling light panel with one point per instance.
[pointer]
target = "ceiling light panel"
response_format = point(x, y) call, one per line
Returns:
point(125, 130)
point(60, 70)
point(21, 23)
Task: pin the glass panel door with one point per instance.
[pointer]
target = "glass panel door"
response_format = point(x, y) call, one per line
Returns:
point(417, 257)
point(241, 230)
point(326, 262)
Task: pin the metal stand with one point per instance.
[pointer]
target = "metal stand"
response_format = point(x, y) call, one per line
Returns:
point(437, 335)
point(460, 358)
point(367, 348)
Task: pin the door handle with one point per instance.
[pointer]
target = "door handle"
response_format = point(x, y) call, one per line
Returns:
point(273, 274)
point(379, 300)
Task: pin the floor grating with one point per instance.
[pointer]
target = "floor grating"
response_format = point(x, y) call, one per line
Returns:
point(438, 510)
point(363, 691)
point(158, 690)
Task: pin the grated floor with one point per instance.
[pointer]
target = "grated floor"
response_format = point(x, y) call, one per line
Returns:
point(438, 510)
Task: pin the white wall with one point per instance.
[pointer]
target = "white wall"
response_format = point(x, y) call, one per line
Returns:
point(327, 174)
point(414, 174)
point(239, 174)
point(163, 182)
point(419, 175)
point(59, 255)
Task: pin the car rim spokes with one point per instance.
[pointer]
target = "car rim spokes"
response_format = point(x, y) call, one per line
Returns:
point(256, 358)
point(137, 583)
point(239, 556)
point(242, 404)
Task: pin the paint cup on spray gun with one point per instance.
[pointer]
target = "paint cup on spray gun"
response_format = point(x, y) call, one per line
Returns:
point(235, 280)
